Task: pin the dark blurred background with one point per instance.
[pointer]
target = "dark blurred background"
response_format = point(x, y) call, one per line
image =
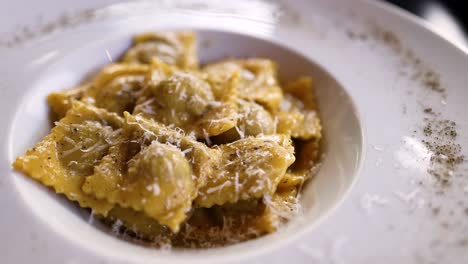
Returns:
point(449, 17)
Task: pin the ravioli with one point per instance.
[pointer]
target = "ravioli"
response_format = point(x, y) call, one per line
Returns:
point(65, 157)
point(140, 132)
point(175, 48)
point(305, 166)
point(258, 79)
point(174, 154)
point(192, 103)
point(157, 180)
point(297, 115)
point(148, 171)
point(60, 102)
point(249, 168)
point(117, 87)
point(253, 119)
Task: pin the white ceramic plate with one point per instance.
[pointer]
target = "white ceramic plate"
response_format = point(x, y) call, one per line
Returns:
point(385, 83)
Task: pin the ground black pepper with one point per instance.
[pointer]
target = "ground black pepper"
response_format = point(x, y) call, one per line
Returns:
point(446, 186)
point(439, 134)
point(439, 138)
point(429, 79)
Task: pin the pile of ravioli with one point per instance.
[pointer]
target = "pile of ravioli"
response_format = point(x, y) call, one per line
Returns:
point(168, 151)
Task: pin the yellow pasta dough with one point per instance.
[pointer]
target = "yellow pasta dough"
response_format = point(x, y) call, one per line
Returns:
point(252, 120)
point(192, 103)
point(148, 171)
point(297, 115)
point(249, 168)
point(140, 132)
point(158, 181)
point(304, 167)
point(258, 79)
point(60, 102)
point(65, 157)
point(117, 87)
